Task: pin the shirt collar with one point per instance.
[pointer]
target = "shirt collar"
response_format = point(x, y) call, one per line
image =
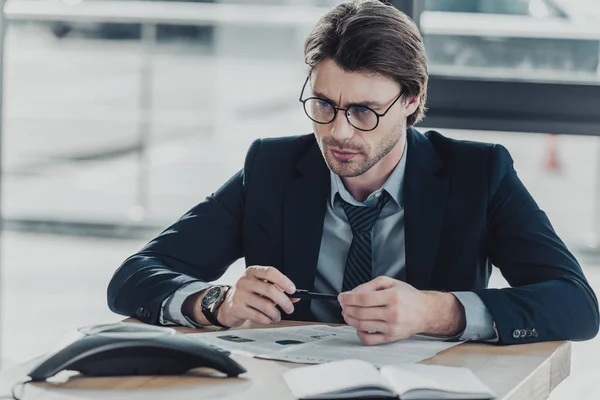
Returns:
point(393, 185)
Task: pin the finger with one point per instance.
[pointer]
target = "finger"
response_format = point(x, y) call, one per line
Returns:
point(295, 300)
point(256, 302)
point(367, 325)
point(371, 339)
point(273, 275)
point(253, 315)
point(367, 313)
point(263, 305)
point(379, 283)
point(365, 299)
point(271, 292)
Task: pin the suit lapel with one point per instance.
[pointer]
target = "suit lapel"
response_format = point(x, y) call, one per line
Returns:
point(426, 193)
point(304, 213)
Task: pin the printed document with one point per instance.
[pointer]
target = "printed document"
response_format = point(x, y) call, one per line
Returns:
point(257, 342)
point(316, 344)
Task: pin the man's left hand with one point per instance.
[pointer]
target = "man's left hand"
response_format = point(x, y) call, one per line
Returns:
point(386, 310)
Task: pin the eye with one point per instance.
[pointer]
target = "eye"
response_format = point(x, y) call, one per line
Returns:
point(323, 104)
point(361, 110)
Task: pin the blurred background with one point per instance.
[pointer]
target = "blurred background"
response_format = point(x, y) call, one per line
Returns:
point(113, 128)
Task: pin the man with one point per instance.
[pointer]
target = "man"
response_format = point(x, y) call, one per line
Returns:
point(404, 226)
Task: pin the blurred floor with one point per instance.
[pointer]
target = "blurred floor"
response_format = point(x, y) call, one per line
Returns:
point(70, 131)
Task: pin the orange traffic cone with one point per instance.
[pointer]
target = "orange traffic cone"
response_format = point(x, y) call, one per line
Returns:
point(552, 163)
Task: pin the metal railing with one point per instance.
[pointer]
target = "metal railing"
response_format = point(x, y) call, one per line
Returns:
point(168, 13)
point(506, 26)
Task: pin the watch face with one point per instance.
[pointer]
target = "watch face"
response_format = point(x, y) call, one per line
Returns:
point(212, 296)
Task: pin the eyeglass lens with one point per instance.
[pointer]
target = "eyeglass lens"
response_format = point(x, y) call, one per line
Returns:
point(324, 112)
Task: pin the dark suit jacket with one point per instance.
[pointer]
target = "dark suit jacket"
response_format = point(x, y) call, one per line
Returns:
point(465, 209)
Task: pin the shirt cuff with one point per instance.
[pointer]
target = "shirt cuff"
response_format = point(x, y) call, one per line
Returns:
point(480, 323)
point(170, 310)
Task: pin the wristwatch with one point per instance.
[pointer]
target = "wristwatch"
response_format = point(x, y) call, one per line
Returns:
point(213, 298)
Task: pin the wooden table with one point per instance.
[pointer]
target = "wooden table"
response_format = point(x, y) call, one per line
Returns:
point(529, 371)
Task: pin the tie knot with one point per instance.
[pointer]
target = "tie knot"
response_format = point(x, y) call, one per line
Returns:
point(362, 218)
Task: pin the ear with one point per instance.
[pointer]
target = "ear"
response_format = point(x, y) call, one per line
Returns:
point(411, 105)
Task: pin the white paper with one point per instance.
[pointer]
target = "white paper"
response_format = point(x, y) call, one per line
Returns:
point(446, 381)
point(262, 342)
point(316, 344)
point(346, 345)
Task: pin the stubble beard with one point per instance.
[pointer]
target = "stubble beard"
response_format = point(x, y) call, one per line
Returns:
point(360, 163)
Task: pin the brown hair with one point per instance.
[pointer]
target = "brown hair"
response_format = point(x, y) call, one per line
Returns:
point(372, 37)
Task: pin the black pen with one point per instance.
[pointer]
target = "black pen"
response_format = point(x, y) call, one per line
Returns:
point(305, 294)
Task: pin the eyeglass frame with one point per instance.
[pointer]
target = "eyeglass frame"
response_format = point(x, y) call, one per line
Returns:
point(336, 109)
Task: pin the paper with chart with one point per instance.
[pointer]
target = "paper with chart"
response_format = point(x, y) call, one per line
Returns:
point(345, 344)
point(258, 342)
point(315, 344)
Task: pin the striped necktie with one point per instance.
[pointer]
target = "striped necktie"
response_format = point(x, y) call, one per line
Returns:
point(359, 262)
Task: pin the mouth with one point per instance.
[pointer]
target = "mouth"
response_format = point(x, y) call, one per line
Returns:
point(343, 155)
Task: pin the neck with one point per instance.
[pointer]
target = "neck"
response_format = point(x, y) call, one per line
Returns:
point(360, 187)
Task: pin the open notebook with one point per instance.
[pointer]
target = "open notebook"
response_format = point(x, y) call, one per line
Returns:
point(359, 379)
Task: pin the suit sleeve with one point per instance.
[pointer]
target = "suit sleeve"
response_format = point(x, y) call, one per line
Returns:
point(200, 246)
point(549, 298)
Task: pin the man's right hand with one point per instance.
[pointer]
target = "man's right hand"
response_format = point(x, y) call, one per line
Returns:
point(254, 298)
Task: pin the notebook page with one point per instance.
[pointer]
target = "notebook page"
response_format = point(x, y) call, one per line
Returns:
point(406, 377)
point(337, 376)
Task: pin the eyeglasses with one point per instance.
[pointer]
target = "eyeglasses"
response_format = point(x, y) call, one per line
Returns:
point(324, 112)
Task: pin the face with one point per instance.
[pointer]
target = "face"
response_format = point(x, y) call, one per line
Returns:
point(350, 152)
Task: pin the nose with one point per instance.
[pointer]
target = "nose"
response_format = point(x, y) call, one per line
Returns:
point(341, 129)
